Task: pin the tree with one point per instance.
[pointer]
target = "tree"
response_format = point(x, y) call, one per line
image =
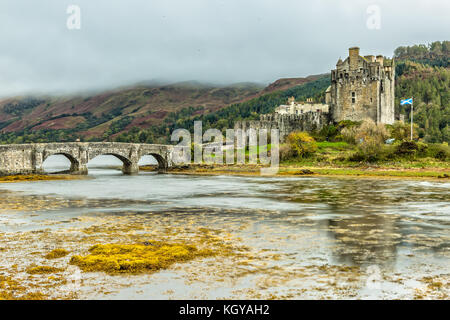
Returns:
point(401, 131)
point(302, 144)
point(370, 138)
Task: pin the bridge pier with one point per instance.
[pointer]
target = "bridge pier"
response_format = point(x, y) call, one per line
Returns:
point(130, 168)
point(80, 165)
point(37, 159)
point(78, 169)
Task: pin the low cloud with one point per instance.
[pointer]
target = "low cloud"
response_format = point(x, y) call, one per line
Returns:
point(123, 42)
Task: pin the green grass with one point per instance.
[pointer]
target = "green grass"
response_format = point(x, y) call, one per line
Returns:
point(374, 173)
point(334, 145)
point(258, 148)
point(387, 173)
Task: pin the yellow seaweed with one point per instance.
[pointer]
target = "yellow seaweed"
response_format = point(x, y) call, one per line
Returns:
point(57, 253)
point(137, 258)
point(43, 270)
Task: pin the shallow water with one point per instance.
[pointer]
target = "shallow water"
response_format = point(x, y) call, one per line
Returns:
point(394, 230)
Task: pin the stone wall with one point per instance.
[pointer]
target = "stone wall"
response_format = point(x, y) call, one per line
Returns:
point(16, 159)
point(308, 121)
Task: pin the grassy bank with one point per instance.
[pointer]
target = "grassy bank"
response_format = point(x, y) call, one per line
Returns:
point(333, 159)
point(305, 170)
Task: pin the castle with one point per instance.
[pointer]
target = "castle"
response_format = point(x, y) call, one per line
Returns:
point(361, 88)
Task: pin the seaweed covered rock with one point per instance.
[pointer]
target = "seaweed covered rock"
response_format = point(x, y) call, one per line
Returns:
point(137, 258)
point(57, 253)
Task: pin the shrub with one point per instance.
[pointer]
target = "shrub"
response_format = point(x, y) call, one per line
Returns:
point(370, 138)
point(286, 152)
point(407, 148)
point(369, 130)
point(328, 133)
point(439, 151)
point(422, 149)
point(302, 144)
point(348, 134)
point(401, 131)
point(441, 155)
point(348, 124)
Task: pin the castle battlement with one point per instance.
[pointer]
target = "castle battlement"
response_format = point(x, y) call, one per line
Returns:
point(363, 87)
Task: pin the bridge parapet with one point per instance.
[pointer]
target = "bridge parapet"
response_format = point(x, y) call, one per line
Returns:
point(29, 158)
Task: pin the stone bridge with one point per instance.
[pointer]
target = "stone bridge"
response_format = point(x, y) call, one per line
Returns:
point(29, 158)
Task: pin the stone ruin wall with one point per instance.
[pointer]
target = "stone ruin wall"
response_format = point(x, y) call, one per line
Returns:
point(308, 121)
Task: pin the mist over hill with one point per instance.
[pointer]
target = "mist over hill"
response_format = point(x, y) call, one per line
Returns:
point(149, 111)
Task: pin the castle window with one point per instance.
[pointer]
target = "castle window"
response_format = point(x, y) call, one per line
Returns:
point(353, 96)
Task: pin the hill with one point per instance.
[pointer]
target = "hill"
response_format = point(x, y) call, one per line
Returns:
point(106, 115)
point(423, 72)
point(98, 116)
point(429, 87)
point(435, 54)
point(286, 83)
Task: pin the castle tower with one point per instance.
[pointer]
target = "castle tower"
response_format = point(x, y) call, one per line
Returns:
point(363, 87)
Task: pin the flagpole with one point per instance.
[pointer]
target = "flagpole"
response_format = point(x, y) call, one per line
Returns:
point(412, 116)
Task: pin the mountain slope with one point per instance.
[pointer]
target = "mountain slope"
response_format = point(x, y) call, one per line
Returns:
point(430, 89)
point(91, 116)
point(436, 54)
point(225, 117)
point(105, 115)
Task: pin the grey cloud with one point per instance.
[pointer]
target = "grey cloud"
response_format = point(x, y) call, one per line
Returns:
point(126, 41)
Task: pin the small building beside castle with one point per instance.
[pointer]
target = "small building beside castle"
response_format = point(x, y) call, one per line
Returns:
point(361, 88)
point(294, 107)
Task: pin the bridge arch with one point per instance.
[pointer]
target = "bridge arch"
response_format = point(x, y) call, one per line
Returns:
point(75, 164)
point(162, 162)
point(128, 166)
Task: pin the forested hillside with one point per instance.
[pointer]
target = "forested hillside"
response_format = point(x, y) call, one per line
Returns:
point(423, 72)
point(225, 117)
point(435, 54)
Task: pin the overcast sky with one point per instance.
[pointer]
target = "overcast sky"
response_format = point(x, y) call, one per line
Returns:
point(122, 42)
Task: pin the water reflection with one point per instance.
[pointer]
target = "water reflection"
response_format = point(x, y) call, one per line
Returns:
point(344, 221)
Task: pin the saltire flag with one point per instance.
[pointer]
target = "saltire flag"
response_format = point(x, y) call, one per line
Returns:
point(406, 101)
